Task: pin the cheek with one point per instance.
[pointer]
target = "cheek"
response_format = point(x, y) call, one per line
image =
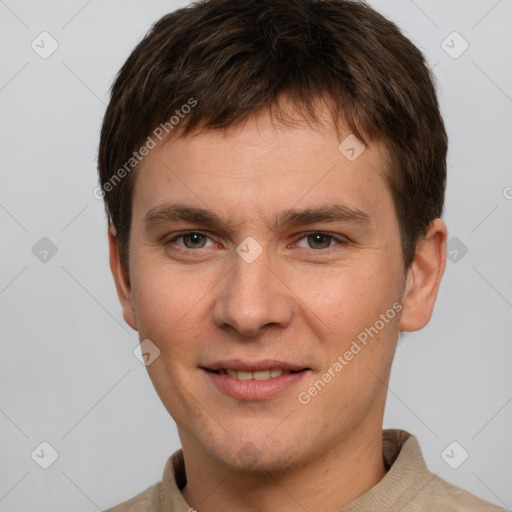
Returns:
point(168, 304)
point(347, 299)
point(168, 307)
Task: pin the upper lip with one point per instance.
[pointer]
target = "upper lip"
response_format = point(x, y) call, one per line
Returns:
point(253, 366)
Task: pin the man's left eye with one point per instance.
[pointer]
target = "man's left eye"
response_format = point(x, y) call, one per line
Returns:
point(321, 240)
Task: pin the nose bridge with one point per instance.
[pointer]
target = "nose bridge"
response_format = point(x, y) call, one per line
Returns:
point(251, 295)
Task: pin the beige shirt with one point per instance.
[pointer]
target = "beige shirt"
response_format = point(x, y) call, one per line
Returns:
point(408, 486)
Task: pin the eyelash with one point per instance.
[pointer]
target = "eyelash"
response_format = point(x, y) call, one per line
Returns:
point(305, 235)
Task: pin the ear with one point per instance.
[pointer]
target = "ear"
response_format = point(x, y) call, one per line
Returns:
point(424, 278)
point(121, 279)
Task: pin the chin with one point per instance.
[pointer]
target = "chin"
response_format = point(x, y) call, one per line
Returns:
point(257, 454)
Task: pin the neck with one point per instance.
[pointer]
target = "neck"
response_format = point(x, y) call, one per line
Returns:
point(327, 482)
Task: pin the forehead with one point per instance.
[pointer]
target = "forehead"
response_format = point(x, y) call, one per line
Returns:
point(261, 168)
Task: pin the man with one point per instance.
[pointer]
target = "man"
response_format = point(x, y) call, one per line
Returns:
point(274, 174)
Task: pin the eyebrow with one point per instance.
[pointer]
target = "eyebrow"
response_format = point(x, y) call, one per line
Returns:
point(173, 212)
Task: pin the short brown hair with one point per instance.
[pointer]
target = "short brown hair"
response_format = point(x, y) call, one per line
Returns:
point(235, 57)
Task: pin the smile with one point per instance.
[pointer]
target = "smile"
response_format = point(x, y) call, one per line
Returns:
point(257, 375)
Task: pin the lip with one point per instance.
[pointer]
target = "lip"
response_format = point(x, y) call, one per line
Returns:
point(254, 389)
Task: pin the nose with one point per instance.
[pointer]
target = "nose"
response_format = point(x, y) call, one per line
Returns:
point(253, 295)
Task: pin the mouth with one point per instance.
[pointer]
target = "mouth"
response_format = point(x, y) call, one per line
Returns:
point(270, 373)
point(245, 380)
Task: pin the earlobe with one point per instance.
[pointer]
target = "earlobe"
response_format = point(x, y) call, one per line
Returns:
point(121, 279)
point(424, 278)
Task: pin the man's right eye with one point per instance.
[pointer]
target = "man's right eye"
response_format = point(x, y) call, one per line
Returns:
point(192, 240)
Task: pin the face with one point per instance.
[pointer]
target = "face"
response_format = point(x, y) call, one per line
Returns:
point(282, 255)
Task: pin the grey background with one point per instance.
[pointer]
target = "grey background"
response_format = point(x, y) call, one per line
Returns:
point(68, 375)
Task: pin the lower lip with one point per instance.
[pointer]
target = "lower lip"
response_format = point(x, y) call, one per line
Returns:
point(254, 389)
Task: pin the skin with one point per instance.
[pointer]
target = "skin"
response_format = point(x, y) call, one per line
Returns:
point(303, 300)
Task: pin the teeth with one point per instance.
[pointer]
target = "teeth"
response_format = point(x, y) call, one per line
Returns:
point(259, 375)
point(242, 375)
